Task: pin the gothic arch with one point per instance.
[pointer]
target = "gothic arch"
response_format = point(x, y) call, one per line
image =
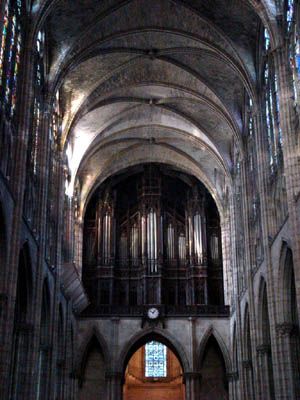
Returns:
point(25, 274)
point(285, 283)
point(212, 332)
point(83, 349)
point(262, 311)
point(145, 336)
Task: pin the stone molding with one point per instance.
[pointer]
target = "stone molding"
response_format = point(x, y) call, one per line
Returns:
point(286, 329)
point(232, 376)
point(263, 349)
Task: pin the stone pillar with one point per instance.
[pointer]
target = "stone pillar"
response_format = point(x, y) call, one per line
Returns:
point(248, 379)
point(192, 385)
point(233, 378)
point(21, 370)
point(114, 385)
point(287, 383)
point(263, 354)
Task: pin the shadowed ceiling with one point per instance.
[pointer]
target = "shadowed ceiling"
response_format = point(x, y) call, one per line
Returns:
point(159, 80)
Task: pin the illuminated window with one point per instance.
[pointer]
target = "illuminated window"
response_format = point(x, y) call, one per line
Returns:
point(271, 106)
point(38, 100)
point(289, 13)
point(4, 39)
point(10, 52)
point(155, 360)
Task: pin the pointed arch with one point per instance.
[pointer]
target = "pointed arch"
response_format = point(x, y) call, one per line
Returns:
point(93, 334)
point(147, 335)
point(213, 364)
point(213, 333)
point(286, 285)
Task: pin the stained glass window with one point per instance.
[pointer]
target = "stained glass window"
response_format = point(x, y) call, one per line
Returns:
point(155, 360)
point(37, 108)
point(10, 51)
point(294, 59)
point(3, 39)
point(271, 106)
point(289, 13)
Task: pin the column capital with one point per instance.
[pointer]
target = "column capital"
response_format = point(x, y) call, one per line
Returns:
point(286, 329)
point(24, 327)
point(192, 375)
point(232, 376)
point(263, 349)
point(247, 364)
point(113, 375)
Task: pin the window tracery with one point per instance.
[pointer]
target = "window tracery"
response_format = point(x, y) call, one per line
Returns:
point(271, 100)
point(10, 53)
point(155, 360)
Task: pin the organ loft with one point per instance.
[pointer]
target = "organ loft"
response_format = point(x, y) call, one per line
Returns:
point(152, 236)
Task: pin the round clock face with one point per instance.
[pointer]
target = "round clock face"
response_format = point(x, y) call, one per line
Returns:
point(153, 313)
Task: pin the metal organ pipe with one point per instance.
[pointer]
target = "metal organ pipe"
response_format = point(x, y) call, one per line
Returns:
point(106, 238)
point(171, 244)
point(152, 240)
point(197, 238)
point(182, 248)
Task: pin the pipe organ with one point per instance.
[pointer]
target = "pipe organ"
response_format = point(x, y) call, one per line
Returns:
point(152, 237)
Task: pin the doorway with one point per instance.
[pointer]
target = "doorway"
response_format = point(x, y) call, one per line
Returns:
point(153, 372)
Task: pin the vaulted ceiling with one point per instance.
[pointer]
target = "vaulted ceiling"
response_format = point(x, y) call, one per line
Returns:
point(159, 80)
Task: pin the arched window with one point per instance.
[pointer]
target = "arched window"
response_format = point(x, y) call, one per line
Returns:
point(271, 101)
point(155, 360)
point(38, 99)
point(10, 52)
point(54, 137)
point(292, 32)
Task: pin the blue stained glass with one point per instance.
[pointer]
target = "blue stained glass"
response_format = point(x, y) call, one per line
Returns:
point(290, 12)
point(155, 360)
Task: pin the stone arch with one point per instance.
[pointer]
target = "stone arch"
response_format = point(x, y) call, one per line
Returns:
point(264, 348)
point(286, 285)
point(247, 352)
point(212, 332)
point(263, 312)
point(145, 336)
point(288, 316)
point(93, 366)
point(22, 327)
point(24, 283)
point(93, 333)
point(213, 364)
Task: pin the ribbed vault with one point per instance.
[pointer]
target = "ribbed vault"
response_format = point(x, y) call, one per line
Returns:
point(165, 80)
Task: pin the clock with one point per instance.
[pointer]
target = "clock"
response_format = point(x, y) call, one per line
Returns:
point(153, 313)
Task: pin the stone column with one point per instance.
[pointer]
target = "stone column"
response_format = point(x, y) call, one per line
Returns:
point(192, 385)
point(248, 379)
point(263, 354)
point(287, 383)
point(114, 385)
point(21, 368)
point(233, 378)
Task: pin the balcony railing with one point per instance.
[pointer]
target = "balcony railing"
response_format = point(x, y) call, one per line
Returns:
point(218, 311)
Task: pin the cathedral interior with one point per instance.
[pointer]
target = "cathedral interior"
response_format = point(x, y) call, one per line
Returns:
point(149, 199)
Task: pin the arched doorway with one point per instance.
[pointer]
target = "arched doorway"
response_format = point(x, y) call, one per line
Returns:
point(153, 372)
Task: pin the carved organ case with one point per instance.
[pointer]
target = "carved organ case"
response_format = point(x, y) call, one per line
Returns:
point(152, 236)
